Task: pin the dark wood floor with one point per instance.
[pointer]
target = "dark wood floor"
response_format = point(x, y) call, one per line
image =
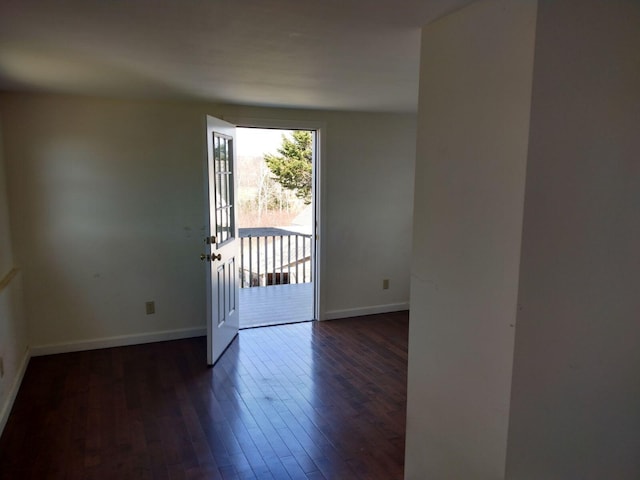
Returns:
point(311, 400)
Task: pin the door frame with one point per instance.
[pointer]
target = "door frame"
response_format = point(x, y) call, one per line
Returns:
point(319, 203)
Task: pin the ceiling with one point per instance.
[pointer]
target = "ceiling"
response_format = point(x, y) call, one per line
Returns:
point(328, 54)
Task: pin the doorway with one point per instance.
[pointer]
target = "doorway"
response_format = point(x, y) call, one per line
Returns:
point(276, 225)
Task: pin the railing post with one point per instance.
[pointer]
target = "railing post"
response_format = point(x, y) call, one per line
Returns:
point(242, 263)
point(311, 258)
point(266, 260)
point(304, 259)
point(289, 258)
point(281, 260)
point(297, 260)
point(273, 270)
point(250, 262)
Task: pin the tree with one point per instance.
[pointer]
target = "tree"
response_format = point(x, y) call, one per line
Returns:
point(292, 166)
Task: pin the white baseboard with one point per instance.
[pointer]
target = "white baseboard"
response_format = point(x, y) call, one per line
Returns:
point(119, 341)
point(13, 393)
point(358, 312)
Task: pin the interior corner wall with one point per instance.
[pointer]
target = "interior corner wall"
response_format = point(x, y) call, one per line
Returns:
point(13, 327)
point(108, 203)
point(575, 410)
point(473, 127)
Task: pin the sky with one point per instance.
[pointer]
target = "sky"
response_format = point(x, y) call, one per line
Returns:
point(253, 142)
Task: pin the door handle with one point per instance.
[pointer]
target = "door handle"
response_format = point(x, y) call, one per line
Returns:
point(210, 258)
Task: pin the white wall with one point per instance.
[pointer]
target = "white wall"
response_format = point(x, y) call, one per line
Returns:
point(13, 327)
point(107, 201)
point(109, 210)
point(576, 389)
point(473, 126)
point(6, 250)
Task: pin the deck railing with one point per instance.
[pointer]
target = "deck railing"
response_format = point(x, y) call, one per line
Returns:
point(274, 256)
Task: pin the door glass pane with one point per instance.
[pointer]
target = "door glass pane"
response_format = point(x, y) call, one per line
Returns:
point(217, 205)
point(217, 179)
point(224, 189)
point(216, 153)
point(227, 178)
point(224, 193)
point(223, 156)
point(224, 235)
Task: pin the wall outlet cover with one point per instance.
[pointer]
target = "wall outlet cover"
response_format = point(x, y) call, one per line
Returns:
point(150, 308)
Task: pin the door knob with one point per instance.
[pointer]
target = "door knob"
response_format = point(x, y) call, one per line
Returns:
point(204, 257)
point(216, 257)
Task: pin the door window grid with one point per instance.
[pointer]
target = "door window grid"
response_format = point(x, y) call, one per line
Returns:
point(223, 159)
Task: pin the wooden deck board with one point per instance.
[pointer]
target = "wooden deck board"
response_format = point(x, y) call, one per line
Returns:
point(276, 304)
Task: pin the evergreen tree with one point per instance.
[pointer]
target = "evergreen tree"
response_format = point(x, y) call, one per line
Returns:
point(292, 166)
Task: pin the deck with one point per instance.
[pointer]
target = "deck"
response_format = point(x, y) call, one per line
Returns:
point(276, 304)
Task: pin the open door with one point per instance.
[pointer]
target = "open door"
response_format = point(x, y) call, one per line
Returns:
point(221, 241)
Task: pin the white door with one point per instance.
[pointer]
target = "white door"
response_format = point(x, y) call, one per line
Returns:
point(221, 242)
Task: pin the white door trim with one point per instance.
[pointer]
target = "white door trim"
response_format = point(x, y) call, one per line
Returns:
point(319, 172)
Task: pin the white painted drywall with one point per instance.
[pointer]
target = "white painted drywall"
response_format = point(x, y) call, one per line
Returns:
point(6, 250)
point(107, 201)
point(109, 205)
point(13, 326)
point(473, 126)
point(369, 202)
point(575, 410)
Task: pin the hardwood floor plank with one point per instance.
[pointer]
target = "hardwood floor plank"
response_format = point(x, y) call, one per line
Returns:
point(319, 401)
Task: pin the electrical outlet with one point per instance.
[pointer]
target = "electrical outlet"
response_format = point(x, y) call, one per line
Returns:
point(385, 284)
point(1, 367)
point(151, 307)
